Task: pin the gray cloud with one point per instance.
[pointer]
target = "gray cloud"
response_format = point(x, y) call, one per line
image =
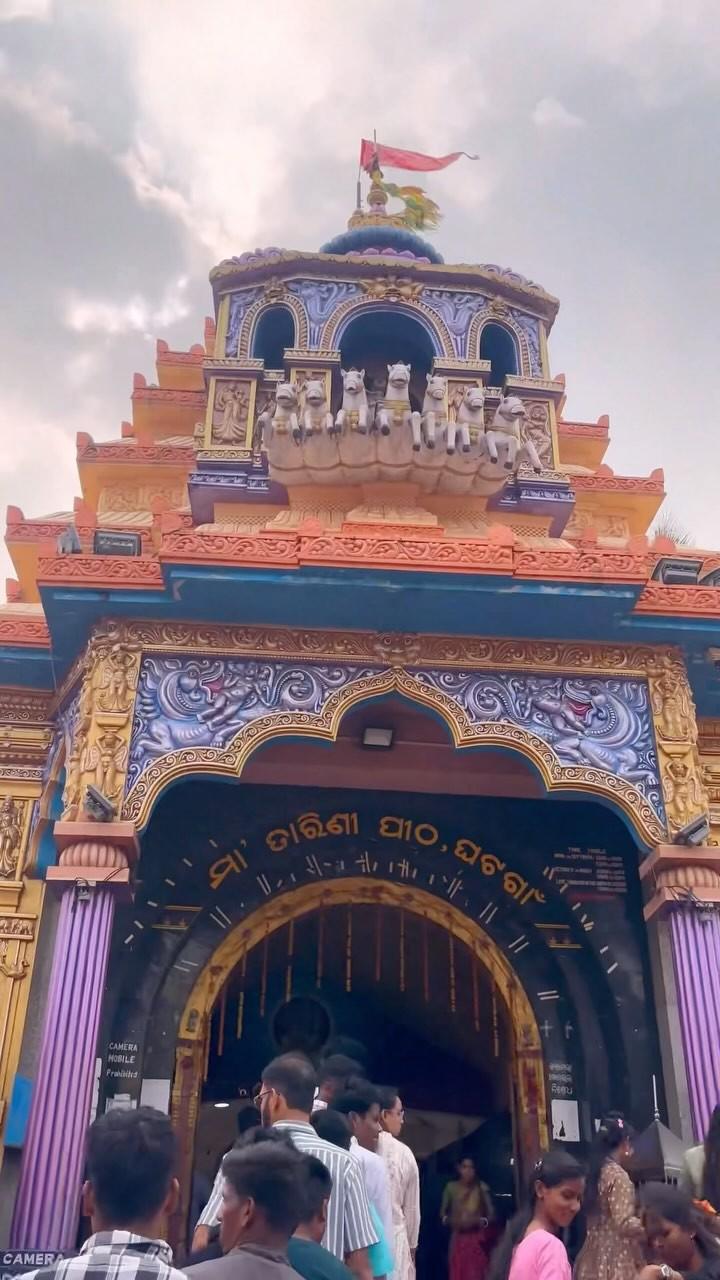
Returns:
point(141, 143)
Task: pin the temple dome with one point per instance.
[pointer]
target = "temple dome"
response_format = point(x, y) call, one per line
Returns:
point(380, 236)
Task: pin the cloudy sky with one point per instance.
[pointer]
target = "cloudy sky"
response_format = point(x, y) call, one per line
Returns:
point(143, 140)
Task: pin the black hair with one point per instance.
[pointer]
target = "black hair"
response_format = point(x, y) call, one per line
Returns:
point(130, 1162)
point(332, 1126)
point(247, 1118)
point(553, 1169)
point(346, 1045)
point(273, 1176)
point(257, 1135)
point(678, 1206)
point(318, 1187)
point(338, 1069)
point(359, 1097)
point(613, 1130)
point(711, 1175)
point(294, 1077)
point(466, 1156)
point(388, 1096)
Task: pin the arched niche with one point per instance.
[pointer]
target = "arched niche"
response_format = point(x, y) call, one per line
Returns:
point(274, 331)
point(376, 338)
point(498, 345)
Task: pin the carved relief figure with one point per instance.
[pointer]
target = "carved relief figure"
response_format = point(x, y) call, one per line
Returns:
point(316, 415)
point(107, 757)
point(683, 793)
point(354, 409)
point(233, 402)
point(203, 702)
point(117, 682)
point(466, 417)
point(394, 409)
point(602, 723)
point(671, 705)
point(434, 416)
point(11, 825)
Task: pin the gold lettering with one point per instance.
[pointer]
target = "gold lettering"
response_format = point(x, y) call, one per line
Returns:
point(277, 840)
point(392, 828)
point(310, 826)
point(468, 852)
point(221, 869)
point(426, 833)
point(490, 865)
point(342, 824)
point(514, 884)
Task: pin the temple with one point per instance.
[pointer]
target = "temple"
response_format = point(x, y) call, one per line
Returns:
point(353, 698)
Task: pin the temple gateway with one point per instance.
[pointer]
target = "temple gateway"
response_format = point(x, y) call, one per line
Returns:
point(352, 698)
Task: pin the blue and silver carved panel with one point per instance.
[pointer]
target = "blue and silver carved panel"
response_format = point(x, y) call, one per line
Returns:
point(320, 299)
point(596, 722)
point(203, 702)
point(457, 310)
point(240, 304)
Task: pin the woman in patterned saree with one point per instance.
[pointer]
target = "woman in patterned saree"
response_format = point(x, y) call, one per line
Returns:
point(613, 1246)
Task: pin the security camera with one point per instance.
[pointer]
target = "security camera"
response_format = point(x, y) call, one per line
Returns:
point(695, 833)
point(98, 806)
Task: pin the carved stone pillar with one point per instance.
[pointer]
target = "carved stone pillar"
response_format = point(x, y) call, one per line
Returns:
point(684, 884)
point(94, 867)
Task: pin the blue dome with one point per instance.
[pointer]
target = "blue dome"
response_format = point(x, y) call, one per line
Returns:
point(393, 241)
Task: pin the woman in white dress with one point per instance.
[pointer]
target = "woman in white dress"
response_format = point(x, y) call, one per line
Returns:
point(404, 1183)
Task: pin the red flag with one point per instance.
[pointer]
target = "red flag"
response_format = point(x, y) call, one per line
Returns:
point(374, 153)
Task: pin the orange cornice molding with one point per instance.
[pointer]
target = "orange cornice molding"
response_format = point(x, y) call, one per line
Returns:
point(144, 394)
point(24, 630)
point(586, 430)
point(100, 571)
point(605, 481)
point(140, 455)
point(691, 601)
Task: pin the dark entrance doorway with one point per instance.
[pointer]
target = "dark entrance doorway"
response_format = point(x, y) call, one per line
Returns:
point(406, 995)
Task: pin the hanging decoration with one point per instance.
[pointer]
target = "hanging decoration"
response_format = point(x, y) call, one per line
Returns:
point(402, 949)
point(425, 959)
point(221, 1022)
point(320, 958)
point(206, 1046)
point(264, 974)
point(495, 1024)
point(241, 996)
point(451, 947)
point(475, 992)
point(378, 943)
point(290, 952)
point(348, 951)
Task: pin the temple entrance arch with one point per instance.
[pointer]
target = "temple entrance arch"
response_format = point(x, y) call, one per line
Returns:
point(478, 975)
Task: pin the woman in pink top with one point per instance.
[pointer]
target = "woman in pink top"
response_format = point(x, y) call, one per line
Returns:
point(531, 1248)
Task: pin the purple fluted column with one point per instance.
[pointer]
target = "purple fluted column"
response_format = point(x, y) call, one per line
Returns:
point(46, 1208)
point(93, 868)
point(696, 955)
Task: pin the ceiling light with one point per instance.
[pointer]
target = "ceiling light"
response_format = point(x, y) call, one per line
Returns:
point(378, 738)
point(221, 1106)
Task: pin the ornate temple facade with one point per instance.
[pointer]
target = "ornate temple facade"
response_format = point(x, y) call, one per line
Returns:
point(354, 669)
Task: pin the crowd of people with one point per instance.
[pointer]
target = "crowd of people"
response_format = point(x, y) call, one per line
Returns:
point(319, 1185)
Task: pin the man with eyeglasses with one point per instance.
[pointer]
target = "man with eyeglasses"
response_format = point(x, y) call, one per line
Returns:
point(285, 1101)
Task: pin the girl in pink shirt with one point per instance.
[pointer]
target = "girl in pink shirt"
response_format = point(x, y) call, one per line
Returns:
point(531, 1248)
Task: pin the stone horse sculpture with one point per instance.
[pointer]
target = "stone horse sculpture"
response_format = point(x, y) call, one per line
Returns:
point(284, 420)
point(434, 418)
point(506, 436)
point(316, 415)
point(467, 420)
point(354, 409)
point(394, 409)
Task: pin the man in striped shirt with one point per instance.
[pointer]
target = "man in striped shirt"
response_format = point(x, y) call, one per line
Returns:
point(285, 1101)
